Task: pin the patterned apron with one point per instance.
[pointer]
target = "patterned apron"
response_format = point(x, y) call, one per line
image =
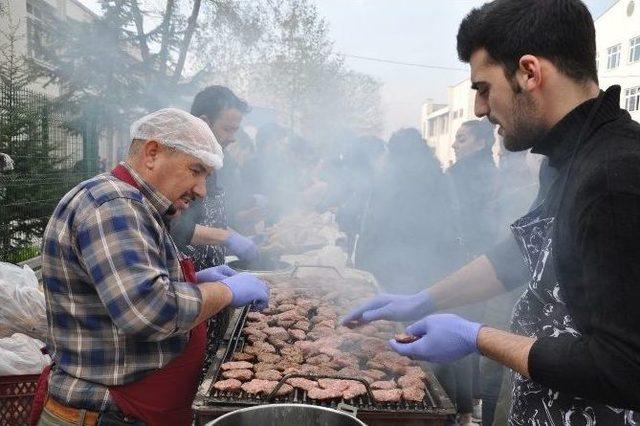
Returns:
point(541, 311)
point(215, 216)
point(207, 256)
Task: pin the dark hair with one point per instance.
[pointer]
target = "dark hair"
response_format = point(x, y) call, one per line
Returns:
point(407, 143)
point(212, 100)
point(561, 31)
point(268, 134)
point(481, 130)
point(409, 150)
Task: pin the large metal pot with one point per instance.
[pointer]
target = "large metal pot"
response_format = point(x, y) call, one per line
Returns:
point(287, 415)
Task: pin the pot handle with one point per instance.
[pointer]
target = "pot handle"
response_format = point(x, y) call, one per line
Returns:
point(349, 409)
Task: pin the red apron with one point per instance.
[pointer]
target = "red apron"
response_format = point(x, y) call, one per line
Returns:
point(164, 397)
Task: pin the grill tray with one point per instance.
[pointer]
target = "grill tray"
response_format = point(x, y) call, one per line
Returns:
point(210, 403)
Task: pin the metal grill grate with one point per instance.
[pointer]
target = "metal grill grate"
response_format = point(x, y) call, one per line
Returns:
point(211, 403)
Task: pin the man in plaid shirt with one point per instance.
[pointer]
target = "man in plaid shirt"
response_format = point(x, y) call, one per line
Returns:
point(119, 308)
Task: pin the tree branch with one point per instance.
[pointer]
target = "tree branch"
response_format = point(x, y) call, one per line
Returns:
point(142, 39)
point(166, 35)
point(186, 41)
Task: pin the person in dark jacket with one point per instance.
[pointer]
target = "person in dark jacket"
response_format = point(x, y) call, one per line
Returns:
point(475, 187)
point(353, 185)
point(574, 344)
point(407, 223)
point(475, 181)
point(273, 172)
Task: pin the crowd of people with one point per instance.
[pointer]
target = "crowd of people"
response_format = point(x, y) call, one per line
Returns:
point(133, 262)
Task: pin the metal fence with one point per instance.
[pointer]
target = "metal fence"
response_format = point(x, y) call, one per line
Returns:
point(49, 159)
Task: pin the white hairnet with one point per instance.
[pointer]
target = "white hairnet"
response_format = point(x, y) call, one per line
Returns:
point(178, 129)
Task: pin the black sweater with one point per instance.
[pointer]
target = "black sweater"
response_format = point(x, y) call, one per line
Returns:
point(597, 256)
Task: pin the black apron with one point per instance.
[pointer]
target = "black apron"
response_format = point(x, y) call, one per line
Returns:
point(542, 312)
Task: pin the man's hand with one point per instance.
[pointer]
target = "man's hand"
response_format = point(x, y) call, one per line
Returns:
point(392, 307)
point(443, 338)
point(217, 273)
point(242, 247)
point(247, 289)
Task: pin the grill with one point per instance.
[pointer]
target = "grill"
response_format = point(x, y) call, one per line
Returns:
point(435, 409)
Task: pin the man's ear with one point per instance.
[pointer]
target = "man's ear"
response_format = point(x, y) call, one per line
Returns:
point(150, 152)
point(529, 73)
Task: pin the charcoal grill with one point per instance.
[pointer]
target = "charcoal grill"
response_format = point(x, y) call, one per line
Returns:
point(435, 409)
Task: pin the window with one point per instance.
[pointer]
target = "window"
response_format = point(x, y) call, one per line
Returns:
point(443, 124)
point(613, 56)
point(38, 13)
point(634, 49)
point(432, 128)
point(632, 99)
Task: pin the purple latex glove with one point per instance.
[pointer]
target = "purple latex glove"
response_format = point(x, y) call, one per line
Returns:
point(444, 338)
point(242, 247)
point(392, 307)
point(247, 289)
point(217, 273)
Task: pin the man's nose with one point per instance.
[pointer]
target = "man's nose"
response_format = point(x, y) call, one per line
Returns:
point(201, 188)
point(481, 106)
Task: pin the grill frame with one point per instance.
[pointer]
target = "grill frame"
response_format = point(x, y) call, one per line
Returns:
point(210, 403)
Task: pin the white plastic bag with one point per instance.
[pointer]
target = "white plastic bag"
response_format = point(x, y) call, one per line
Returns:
point(20, 354)
point(22, 306)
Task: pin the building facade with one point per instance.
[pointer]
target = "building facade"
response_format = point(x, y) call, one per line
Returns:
point(618, 44)
point(33, 22)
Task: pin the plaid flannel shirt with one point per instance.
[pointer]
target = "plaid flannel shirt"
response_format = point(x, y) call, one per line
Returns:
point(117, 304)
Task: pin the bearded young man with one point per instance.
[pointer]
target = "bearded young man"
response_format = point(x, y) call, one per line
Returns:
point(575, 345)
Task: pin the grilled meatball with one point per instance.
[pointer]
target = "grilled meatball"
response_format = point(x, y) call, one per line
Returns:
point(391, 395)
point(239, 365)
point(354, 390)
point(242, 356)
point(411, 382)
point(324, 394)
point(228, 385)
point(242, 375)
point(413, 394)
point(384, 385)
point(268, 375)
point(302, 383)
point(405, 338)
